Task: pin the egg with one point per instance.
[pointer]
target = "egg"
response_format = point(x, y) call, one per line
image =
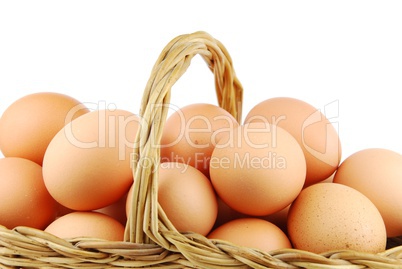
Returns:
point(279, 218)
point(24, 199)
point(226, 214)
point(87, 165)
point(62, 210)
point(191, 132)
point(258, 170)
point(377, 173)
point(331, 216)
point(253, 233)
point(186, 196)
point(86, 224)
point(315, 134)
point(29, 124)
point(116, 210)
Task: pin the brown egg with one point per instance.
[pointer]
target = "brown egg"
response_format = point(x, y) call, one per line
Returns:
point(186, 196)
point(226, 214)
point(377, 173)
point(87, 224)
point(331, 216)
point(279, 218)
point(62, 210)
point(252, 233)
point(24, 199)
point(87, 165)
point(260, 169)
point(116, 210)
point(28, 125)
point(190, 134)
point(314, 132)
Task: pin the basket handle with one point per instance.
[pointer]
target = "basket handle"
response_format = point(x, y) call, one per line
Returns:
point(147, 219)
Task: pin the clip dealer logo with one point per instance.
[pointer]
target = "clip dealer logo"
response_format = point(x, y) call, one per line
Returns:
point(103, 127)
point(331, 113)
point(112, 132)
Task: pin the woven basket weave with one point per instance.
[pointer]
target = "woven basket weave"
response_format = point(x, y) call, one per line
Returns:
point(151, 241)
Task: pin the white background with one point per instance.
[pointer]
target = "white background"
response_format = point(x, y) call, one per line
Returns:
point(343, 55)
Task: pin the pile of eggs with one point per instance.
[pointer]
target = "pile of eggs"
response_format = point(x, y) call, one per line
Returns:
point(274, 181)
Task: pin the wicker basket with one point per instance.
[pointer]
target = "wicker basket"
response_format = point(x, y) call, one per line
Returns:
point(150, 238)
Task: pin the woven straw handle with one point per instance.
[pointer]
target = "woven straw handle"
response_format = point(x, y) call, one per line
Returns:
point(147, 222)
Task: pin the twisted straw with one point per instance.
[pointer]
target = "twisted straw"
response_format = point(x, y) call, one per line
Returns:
point(143, 223)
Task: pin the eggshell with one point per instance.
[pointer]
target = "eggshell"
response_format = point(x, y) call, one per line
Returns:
point(186, 196)
point(315, 134)
point(29, 124)
point(190, 134)
point(62, 210)
point(279, 218)
point(226, 214)
point(252, 233)
point(331, 216)
point(377, 173)
point(87, 224)
point(24, 199)
point(87, 165)
point(259, 170)
point(116, 210)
